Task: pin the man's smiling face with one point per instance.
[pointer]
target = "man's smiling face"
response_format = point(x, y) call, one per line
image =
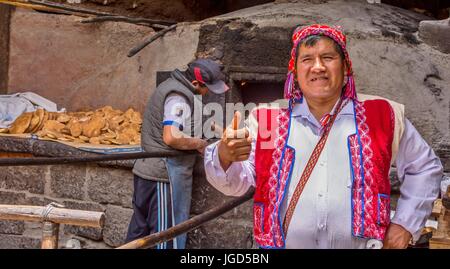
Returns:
point(320, 70)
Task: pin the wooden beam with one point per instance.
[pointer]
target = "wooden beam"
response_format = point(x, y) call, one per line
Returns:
point(56, 215)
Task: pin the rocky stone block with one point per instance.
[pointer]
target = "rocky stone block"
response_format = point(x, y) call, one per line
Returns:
point(38, 201)
point(436, 34)
point(110, 186)
point(68, 181)
point(222, 233)
point(87, 244)
point(12, 227)
point(8, 241)
point(12, 198)
point(23, 178)
point(204, 195)
point(88, 232)
point(244, 211)
point(116, 225)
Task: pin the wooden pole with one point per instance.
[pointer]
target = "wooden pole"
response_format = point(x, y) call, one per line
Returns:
point(56, 215)
point(50, 234)
point(24, 4)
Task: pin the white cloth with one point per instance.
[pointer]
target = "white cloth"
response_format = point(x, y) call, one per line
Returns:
point(13, 105)
point(177, 111)
point(322, 218)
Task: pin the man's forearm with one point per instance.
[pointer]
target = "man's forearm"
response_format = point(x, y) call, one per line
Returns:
point(187, 143)
point(234, 181)
point(178, 140)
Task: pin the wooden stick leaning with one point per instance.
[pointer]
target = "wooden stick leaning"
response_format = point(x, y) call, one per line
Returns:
point(154, 23)
point(146, 42)
point(189, 225)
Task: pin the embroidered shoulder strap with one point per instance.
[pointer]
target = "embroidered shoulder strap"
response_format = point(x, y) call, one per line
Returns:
point(310, 166)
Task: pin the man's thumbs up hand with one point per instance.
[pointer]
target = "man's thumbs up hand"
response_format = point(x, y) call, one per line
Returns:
point(235, 145)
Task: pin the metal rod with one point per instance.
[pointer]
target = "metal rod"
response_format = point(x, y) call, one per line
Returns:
point(191, 224)
point(146, 42)
point(67, 160)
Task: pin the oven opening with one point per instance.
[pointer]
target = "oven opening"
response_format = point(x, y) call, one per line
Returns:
point(260, 92)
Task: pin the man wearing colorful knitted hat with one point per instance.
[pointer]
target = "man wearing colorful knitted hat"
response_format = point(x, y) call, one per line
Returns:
point(320, 165)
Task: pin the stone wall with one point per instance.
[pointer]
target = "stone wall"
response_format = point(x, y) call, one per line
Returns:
point(84, 187)
point(105, 187)
point(109, 190)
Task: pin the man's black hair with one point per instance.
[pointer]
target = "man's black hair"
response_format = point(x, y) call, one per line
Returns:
point(189, 74)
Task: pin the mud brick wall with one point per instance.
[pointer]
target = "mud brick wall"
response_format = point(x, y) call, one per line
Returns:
point(5, 12)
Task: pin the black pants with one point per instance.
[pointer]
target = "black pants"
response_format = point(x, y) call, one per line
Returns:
point(152, 210)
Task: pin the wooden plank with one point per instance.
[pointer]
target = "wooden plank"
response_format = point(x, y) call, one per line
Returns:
point(441, 237)
point(437, 208)
point(56, 215)
point(439, 243)
point(446, 213)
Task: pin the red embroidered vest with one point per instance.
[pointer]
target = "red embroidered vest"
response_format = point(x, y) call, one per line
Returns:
point(370, 151)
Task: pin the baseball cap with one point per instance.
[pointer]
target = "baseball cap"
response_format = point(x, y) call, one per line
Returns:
point(208, 72)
